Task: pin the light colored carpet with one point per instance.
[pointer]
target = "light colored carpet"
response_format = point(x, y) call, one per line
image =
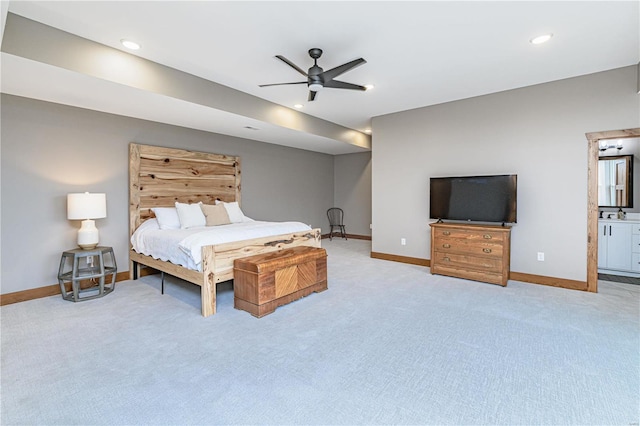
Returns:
point(388, 343)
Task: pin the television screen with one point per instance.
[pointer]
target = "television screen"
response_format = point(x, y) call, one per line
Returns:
point(474, 198)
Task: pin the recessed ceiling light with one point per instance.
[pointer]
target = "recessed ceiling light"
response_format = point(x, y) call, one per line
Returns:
point(541, 39)
point(130, 44)
point(369, 86)
point(298, 106)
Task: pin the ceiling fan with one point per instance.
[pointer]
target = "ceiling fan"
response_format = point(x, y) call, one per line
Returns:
point(317, 78)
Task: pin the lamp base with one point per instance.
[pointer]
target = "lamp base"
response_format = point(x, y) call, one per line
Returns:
point(87, 247)
point(88, 235)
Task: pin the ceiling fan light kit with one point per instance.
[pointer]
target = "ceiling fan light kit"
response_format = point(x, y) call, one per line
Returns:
point(317, 78)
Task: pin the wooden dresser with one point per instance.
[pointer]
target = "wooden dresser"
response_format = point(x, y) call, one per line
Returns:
point(474, 252)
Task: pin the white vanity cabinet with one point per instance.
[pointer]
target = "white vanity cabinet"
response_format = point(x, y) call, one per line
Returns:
point(619, 245)
point(635, 248)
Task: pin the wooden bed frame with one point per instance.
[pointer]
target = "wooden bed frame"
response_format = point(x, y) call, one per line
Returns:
point(158, 177)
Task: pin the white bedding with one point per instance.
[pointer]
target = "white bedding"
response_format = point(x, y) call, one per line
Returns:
point(184, 246)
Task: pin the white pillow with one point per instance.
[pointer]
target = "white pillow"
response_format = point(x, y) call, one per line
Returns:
point(190, 215)
point(234, 212)
point(167, 217)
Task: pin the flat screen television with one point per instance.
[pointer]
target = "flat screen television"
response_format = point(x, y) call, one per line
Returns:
point(474, 198)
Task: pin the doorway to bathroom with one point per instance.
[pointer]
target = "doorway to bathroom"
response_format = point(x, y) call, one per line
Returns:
point(594, 146)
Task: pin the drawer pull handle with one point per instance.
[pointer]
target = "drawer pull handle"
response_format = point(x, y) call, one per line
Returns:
point(446, 245)
point(486, 250)
point(446, 259)
point(486, 236)
point(446, 233)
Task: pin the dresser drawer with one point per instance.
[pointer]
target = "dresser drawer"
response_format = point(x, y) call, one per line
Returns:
point(636, 228)
point(470, 274)
point(482, 263)
point(472, 235)
point(490, 248)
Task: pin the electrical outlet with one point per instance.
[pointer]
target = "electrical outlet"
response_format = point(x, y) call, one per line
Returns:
point(540, 256)
point(403, 241)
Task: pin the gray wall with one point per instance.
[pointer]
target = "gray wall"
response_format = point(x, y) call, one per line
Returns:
point(352, 191)
point(537, 132)
point(49, 150)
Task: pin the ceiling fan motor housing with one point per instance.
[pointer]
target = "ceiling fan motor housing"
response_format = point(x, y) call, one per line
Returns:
point(315, 78)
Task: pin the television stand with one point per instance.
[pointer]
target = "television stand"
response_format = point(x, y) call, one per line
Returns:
point(475, 252)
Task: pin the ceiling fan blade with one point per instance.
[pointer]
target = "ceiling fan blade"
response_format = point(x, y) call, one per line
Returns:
point(334, 72)
point(292, 65)
point(312, 95)
point(335, 84)
point(281, 84)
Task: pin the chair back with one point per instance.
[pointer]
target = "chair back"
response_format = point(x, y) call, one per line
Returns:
point(335, 215)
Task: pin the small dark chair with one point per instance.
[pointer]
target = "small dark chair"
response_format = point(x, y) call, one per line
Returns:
point(336, 215)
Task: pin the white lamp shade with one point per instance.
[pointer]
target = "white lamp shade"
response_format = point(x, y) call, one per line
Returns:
point(82, 206)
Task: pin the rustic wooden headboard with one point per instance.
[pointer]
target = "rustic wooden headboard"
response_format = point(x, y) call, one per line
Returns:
point(158, 177)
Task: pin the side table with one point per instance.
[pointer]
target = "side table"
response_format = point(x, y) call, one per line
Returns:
point(78, 265)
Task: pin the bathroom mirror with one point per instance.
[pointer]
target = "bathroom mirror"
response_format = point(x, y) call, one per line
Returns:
point(615, 177)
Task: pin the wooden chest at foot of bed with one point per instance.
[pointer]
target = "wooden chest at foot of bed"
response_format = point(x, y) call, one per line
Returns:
point(263, 282)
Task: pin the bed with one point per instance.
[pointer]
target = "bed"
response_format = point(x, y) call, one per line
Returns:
point(160, 177)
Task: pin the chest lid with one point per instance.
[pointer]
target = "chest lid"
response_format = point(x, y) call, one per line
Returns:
point(273, 261)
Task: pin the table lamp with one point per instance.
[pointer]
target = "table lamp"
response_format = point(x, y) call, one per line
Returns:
point(86, 207)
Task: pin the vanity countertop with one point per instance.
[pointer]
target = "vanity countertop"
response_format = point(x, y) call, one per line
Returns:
point(630, 217)
point(616, 220)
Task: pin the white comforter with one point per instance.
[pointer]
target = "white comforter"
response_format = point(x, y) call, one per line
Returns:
point(184, 246)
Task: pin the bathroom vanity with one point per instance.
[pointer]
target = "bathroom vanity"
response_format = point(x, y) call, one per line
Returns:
point(619, 247)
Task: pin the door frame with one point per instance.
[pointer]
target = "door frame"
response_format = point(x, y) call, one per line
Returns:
point(594, 139)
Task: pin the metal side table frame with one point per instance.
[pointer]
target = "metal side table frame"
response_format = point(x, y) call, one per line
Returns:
point(82, 269)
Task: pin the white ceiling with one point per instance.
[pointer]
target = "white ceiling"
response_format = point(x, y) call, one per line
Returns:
point(418, 53)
